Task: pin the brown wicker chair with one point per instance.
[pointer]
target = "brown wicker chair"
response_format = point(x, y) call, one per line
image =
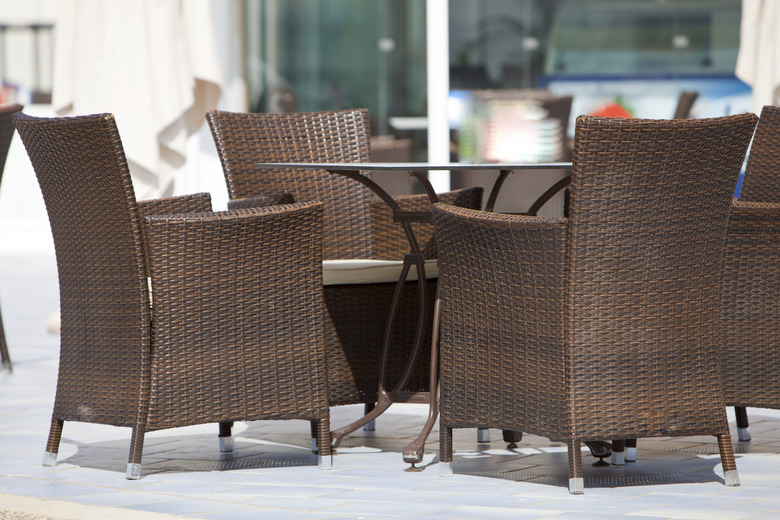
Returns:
point(685, 104)
point(750, 286)
point(6, 134)
point(631, 274)
point(357, 225)
point(173, 315)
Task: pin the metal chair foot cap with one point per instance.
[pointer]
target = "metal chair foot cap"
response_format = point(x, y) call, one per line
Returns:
point(618, 458)
point(630, 454)
point(445, 469)
point(577, 486)
point(325, 462)
point(743, 434)
point(225, 444)
point(731, 478)
point(483, 435)
point(49, 458)
point(414, 457)
point(370, 426)
point(133, 471)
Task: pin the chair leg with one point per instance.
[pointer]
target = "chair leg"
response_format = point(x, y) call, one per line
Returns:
point(53, 444)
point(445, 451)
point(483, 434)
point(630, 450)
point(370, 426)
point(618, 452)
point(315, 428)
point(730, 474)
point(324, 452)
point(600, 450)
point(576, 480)
point(136, 452)
point(512, 437)
point(743, 426)
point(225, 436)
point(4, 356)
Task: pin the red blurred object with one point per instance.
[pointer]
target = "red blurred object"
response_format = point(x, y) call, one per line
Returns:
point(614, 109)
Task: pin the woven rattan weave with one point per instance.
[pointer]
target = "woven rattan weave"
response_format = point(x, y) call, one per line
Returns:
point(173, 315)
point(6, 134)
point(602, 325)
point(750, 287)
point(357, 224)
point(762, 181)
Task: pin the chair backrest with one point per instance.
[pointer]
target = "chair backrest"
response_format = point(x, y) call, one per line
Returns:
point(82, 172)
point(387, 148)
point(650, 201)
point(244, 140)
point(685, 104)
point(6, 132)
point(762, 172)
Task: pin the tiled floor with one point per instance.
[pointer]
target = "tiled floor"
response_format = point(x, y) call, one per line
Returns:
point(272, 474)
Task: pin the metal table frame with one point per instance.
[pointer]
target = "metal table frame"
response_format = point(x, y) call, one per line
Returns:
point(413, 453)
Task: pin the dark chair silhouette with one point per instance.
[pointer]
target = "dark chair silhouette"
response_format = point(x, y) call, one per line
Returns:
point(6, 134)
point(173, 315)
point(543, 311)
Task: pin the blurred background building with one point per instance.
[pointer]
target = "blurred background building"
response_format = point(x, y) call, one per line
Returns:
point(629, 57)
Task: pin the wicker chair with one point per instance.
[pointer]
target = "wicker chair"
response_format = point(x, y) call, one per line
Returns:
point(357, 226)
point(631, 275)
point(750, 287)
point(173, 315)
point(685, 104)
point(6, 134)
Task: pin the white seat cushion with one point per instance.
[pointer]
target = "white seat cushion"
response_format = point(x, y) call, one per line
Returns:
point(348, 272)
point(334, 272)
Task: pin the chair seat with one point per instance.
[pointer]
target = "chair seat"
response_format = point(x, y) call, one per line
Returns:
point(362, 271)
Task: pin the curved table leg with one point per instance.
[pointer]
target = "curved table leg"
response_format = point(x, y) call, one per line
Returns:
point(385, 398)
point(383, 403)
point(413, 453)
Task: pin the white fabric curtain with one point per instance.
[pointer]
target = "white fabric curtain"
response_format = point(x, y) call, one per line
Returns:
point(758, 62)
point(153, 64)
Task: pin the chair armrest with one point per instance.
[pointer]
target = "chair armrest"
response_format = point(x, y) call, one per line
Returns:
point(502, 294)
point(749, 319)
point(261, 200)
point(194, 203)
point(753, 235)
point(475, 230)
point(292, 232)
point(235, 293)
point(517, 258)
point(745, 211)
point(750, 263)
point(388, 239)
